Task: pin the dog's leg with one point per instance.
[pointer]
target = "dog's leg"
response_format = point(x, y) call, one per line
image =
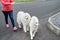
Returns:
point(34, 33)
point(24, 28)
point(19, 25)
point(31, 34)
point(27, 28)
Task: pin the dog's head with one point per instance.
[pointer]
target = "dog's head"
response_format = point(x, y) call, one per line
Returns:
point(27, 17)
point(35, 20)
point(20, 12)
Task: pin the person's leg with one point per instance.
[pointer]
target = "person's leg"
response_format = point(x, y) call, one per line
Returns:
point(11, 17)
point(12, 20)
point(6, 18)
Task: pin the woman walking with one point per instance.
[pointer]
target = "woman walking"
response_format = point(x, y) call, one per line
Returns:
point(8, 11)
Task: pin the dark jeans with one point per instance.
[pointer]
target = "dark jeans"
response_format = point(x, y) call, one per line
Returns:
point(10, 13)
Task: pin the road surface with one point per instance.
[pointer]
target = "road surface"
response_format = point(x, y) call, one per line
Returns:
point(42, 9)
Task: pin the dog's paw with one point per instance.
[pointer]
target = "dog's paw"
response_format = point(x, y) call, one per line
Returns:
point(27, 30)
point(31, 38)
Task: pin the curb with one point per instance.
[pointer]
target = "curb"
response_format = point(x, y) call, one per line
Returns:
point(53, 27)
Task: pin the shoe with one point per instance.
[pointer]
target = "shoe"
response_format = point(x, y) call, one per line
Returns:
point(7, 25)
point(14, 28)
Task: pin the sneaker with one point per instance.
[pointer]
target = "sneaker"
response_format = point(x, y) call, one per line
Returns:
point(7, 25)
point(14, 28)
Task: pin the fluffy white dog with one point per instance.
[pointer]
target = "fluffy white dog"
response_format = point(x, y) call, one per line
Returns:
point(23, 18)
point(33, 26)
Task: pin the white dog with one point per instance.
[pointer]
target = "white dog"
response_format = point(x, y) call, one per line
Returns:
point(33, 26)
point(23, 18)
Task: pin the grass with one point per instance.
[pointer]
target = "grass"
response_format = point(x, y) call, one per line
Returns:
point(23, 0)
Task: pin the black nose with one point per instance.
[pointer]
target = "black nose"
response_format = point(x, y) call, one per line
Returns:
point(26, 18)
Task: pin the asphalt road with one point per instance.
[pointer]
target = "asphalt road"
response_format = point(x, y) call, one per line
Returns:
point(42, 9)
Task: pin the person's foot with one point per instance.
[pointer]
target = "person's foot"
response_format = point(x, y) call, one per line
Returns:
point(7, 25)
point(14, 28)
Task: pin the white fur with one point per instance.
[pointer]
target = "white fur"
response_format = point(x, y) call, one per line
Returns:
point(23, 18)
point(33, 26)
